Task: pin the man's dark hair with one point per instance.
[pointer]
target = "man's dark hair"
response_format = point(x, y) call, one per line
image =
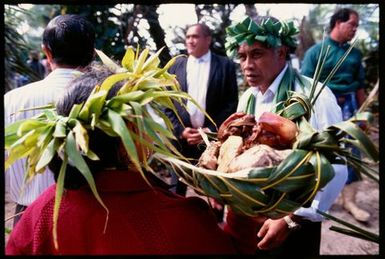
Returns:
point(205, 29)
point(71, 40)
point(104, 146)
point(342, 15)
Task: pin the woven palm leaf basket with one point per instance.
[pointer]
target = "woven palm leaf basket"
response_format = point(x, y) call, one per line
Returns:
point(278, 190)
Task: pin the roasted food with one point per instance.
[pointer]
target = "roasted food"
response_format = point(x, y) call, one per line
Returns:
point(245, 143)
point(284, 130)
point(231, 148)
point(238, 124)
point(271, 129)
point(258, 156)
point(209, 158)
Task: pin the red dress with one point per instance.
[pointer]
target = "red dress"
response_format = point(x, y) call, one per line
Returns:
point(142, 220)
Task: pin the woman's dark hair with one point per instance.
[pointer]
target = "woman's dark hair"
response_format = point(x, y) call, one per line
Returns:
point(342, 15)
point(71, 40)
point(104, 146)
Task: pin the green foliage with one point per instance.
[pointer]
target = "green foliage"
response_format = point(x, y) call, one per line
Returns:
point(15, 57)
point(272, 34)
point(350, 229)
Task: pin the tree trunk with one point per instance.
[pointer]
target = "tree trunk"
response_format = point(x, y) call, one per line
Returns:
point(251, 11)
point(156, 31)
point(306, 39)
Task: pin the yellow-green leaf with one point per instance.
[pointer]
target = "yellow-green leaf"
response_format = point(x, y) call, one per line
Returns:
point(108, 62)
point(48, 153)
point(128, 59)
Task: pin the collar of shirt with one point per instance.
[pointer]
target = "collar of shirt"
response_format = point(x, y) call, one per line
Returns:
point(59, 72)
point(203, 59)
point(272, 89)
point(128, 180)
point(264, 101)
point(330, 41)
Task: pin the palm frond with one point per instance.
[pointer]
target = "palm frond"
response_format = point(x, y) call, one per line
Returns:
point(351, 229)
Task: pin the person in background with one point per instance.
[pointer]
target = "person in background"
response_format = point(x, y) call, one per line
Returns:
point(35, 65)
point(211, 80)
point(265, 64)
point(68, 43)
point(347, 85)
point(46, 65)
point(143, 219)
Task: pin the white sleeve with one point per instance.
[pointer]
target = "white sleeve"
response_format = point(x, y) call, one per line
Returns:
point(325, 197)
point(327, 113)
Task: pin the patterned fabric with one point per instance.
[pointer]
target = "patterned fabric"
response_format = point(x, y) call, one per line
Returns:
point(142, 220)
point(32, 95)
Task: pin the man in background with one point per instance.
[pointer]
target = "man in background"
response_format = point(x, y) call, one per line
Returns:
point(347, 85)
point(35, 64)
point(211, 80)
point(68, 43)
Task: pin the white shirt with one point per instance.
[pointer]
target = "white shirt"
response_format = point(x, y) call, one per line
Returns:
point(198, 70)
point(327, 112)
point(32, 95)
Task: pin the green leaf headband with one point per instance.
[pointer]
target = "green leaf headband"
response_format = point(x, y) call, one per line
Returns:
point(41, 137)
point(273, 34)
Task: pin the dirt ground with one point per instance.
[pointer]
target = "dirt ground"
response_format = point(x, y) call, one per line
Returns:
point(334, 243)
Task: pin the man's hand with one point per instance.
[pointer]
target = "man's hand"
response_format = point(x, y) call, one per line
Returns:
point(192, 136)
point(272, 234)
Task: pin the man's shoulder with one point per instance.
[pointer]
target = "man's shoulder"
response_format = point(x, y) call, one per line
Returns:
point(180, 60)
point(28, 88)
point(315, 48)
point(356, 51)
point(325, 93)
point(247, 93)
point(223, 59)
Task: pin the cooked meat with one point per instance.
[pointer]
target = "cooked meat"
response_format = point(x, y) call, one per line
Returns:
point(229, 149)
point(258, 156)
point(209, 158)
point(238, 125)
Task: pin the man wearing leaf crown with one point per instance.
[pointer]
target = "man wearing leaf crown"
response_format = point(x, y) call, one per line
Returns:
point(262, 48)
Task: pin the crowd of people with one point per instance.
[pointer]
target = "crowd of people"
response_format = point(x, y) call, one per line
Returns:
point(153, 220)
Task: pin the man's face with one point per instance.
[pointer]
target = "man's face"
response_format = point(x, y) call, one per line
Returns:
point(197, 44)
point(348, 29)
point(260, 65)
